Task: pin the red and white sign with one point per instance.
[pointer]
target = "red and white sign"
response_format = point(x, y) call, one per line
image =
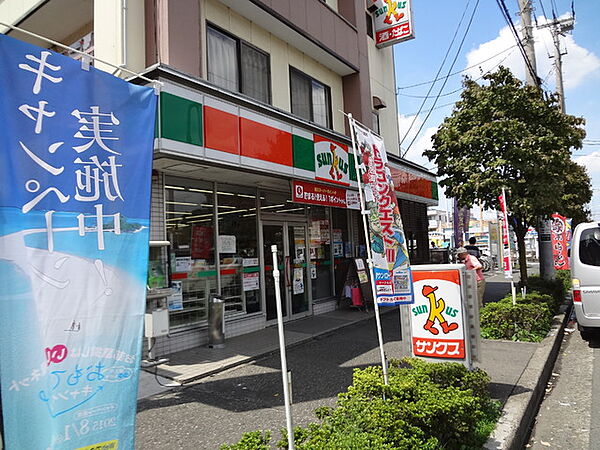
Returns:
point(392, 22)
point(506, 255)
point(437, 316)
point(319, 194)
point(331, 161)
point(560, 242)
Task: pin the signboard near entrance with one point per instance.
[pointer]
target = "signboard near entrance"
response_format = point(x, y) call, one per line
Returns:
point(319, 194)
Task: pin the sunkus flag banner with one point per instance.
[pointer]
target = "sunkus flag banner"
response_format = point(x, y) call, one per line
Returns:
point(391, 266)
point(75, 168)
point(560, 237)
point(506, 254)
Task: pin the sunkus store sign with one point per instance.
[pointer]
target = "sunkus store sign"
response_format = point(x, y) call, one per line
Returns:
point(75, 168)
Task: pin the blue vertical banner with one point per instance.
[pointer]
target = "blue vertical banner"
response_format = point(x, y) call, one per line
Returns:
point(75, 171)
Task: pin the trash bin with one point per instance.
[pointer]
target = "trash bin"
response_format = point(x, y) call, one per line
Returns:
point(216, 322)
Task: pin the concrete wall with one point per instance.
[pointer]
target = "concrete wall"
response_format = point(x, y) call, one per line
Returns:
point(282, 56)
point(109, 35)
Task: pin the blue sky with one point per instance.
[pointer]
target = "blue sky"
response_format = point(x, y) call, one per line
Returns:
point(435, 22)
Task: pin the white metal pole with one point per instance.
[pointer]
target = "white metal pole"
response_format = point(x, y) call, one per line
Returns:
point(284, 370)
point(364, 213)
point(512, 278)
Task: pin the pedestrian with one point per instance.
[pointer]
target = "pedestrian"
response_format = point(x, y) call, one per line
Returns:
point(472, 263)
point(472, 248)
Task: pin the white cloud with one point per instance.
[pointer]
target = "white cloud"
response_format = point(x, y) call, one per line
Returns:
point(422, 143)
point(591, 162)
point(578, 64)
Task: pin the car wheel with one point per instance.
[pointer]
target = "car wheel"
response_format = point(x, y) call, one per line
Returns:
point(586, 333)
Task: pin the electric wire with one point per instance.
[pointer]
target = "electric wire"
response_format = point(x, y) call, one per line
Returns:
point(506, 14)
point(461, 88)
point(438, 72)
point(445, 79)
point(458, 71)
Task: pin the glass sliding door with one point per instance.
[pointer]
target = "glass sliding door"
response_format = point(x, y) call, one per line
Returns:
point(292, 256)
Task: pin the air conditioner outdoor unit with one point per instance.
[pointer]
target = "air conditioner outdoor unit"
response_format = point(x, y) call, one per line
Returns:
point(156, 323)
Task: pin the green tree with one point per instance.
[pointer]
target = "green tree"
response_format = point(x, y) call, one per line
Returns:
point(504, 134)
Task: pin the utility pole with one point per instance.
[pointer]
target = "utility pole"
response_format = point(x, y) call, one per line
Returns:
point(559, 28)
point(528, 42)
point(544, 226)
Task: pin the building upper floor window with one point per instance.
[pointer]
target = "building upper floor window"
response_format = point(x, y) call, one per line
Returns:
point(238, 66)
point(311, 99)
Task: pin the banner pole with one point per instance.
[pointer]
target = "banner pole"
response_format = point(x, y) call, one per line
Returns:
point(512, 278)
point(284, 370)
point(364, 212)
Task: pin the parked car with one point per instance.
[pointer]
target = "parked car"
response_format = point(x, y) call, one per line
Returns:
point(585, 270)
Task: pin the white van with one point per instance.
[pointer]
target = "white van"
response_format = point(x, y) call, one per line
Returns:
point(585, 270)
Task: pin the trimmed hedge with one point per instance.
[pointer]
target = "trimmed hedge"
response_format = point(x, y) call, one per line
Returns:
point(555, 288)
point(529, 320)
point(426, 406)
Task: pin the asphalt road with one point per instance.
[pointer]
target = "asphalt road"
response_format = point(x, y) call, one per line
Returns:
point(219, 409)
point(569, 416)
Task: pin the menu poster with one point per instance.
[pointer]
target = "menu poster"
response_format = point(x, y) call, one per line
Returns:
point(202, 242)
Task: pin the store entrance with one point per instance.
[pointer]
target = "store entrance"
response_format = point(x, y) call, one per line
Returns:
point(292, 257)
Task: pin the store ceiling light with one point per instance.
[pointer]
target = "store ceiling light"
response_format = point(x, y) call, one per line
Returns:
point(273, 206)
point(176, 188)
point(248, 215)
point(182, 203)
point(184, 213)
point(204, 191)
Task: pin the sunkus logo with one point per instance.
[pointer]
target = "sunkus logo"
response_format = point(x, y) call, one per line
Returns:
point(331, 162)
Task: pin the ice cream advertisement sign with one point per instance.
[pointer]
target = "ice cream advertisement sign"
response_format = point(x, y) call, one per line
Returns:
point(437, 315)
point(75, 168)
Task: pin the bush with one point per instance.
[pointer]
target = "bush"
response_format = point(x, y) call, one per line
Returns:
point(556, 288)
point(565, 277)
point(426, 406)
point(253, 440)
point(529, 320)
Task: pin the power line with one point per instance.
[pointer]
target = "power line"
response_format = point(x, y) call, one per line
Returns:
point(513, 29)
point(446, 78)
point(461, 88)
point(458, 71)
point(437, 107)
point(438, 72)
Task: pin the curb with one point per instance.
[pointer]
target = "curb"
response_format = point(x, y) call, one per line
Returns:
point(520, 409)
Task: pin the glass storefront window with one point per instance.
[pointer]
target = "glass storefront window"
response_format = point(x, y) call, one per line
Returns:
point(238, 249)
point(320, 252)
point(189, 210)
point(279, 203)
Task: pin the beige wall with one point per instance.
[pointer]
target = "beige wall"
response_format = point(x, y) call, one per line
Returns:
point(282, 56)
point(108, 34)
point(383, 85)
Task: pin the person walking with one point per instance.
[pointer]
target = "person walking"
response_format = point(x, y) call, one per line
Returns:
point(472, 248)
point(472, 263)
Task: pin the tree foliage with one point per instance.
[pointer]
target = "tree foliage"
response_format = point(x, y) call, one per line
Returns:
point(504, 134)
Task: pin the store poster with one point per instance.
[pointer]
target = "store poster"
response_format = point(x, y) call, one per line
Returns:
point(175, 300)
point(227, 243)
point(298, 282)
point(183, 264)
point(75, 170)
point(391, 266)
point(202, 242)
point(251, 281)
point(437, 321)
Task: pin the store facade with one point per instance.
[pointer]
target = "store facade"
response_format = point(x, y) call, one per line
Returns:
point(232, 178)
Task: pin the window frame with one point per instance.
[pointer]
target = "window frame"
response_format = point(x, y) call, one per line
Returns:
point(239, 44)
point(327, 89)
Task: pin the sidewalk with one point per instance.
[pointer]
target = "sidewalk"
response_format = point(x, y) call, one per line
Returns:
point(517, 371)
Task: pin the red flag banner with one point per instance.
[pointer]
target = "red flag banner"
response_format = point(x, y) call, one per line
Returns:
point(560, 242)
point(503, 217)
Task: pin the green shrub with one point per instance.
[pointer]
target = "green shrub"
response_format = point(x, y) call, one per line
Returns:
point(529, 320)
point(426, 406)
point(556, 288)
point(565, 277)
point(253, 440)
